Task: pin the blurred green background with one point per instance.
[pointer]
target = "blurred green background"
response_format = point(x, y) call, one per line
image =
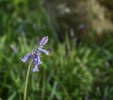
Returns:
point(71, 72)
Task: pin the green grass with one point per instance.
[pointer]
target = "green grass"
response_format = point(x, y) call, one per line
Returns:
point(69, 73)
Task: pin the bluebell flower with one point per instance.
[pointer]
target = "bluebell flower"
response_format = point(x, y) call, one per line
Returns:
point(41, 44)
point(82, 26)
point(43, 41)
point(36, 61)
point(43, 51)
point(35, 56)
point(26, 57)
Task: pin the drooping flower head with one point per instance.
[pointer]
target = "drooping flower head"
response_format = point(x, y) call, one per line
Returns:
point(43, 41)
point(35, 56)
point(26, 57)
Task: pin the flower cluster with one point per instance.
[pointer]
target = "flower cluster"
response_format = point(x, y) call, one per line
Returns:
point(35, 55)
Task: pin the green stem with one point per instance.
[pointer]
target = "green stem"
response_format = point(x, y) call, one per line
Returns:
point(26, 82)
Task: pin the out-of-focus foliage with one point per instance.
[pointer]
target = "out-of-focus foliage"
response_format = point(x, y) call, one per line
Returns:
point(79, 17)
point(22, 16)
point(69, 73)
